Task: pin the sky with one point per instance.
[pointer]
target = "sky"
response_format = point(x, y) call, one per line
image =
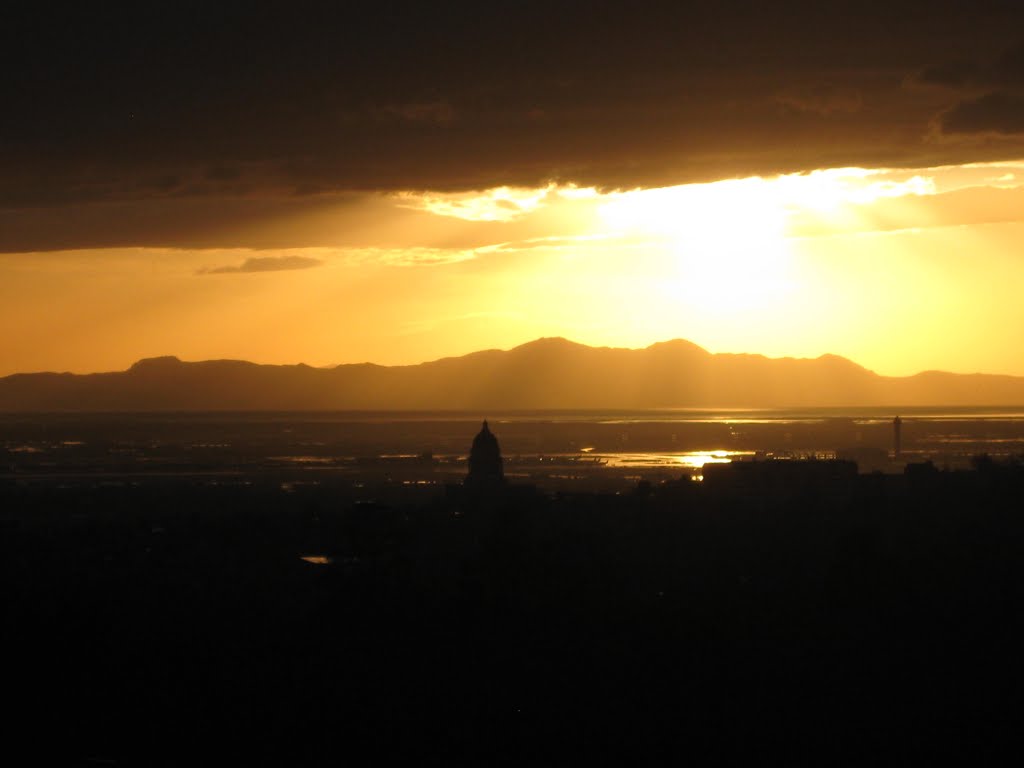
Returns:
point(315, 183)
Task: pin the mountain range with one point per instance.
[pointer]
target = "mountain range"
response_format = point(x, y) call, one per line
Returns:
point(549, 373)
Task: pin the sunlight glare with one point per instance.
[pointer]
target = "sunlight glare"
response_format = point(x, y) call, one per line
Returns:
point(727, 239)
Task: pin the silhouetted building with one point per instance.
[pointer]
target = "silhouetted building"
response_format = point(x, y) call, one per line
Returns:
point(485, 465)
point(781, 476)
point(920, 471)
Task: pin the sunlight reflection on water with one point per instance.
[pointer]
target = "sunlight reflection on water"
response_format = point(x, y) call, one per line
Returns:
point(690, 459)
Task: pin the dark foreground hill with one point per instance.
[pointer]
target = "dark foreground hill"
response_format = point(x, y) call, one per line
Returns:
point(543, 374)
point(832, 619)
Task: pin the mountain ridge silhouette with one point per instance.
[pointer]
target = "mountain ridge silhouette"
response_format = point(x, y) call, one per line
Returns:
point(547, 373)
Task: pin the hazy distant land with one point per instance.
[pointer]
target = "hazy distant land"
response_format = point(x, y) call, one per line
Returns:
point(550, 373)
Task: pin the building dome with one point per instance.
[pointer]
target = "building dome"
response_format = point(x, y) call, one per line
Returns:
point(485, 464)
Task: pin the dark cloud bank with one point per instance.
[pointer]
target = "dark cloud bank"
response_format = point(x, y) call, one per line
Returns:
point(188, 101)
point(989, 94)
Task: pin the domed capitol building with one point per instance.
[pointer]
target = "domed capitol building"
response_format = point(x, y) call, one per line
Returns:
point(485, 464)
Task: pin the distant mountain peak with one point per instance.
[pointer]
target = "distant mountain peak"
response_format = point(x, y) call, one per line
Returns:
point(840, 361)
point(154, 363)
point(678, 345)
point(550, 342)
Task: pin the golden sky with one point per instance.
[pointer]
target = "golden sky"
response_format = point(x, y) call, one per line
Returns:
point(899, 270)
point(417, 180)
